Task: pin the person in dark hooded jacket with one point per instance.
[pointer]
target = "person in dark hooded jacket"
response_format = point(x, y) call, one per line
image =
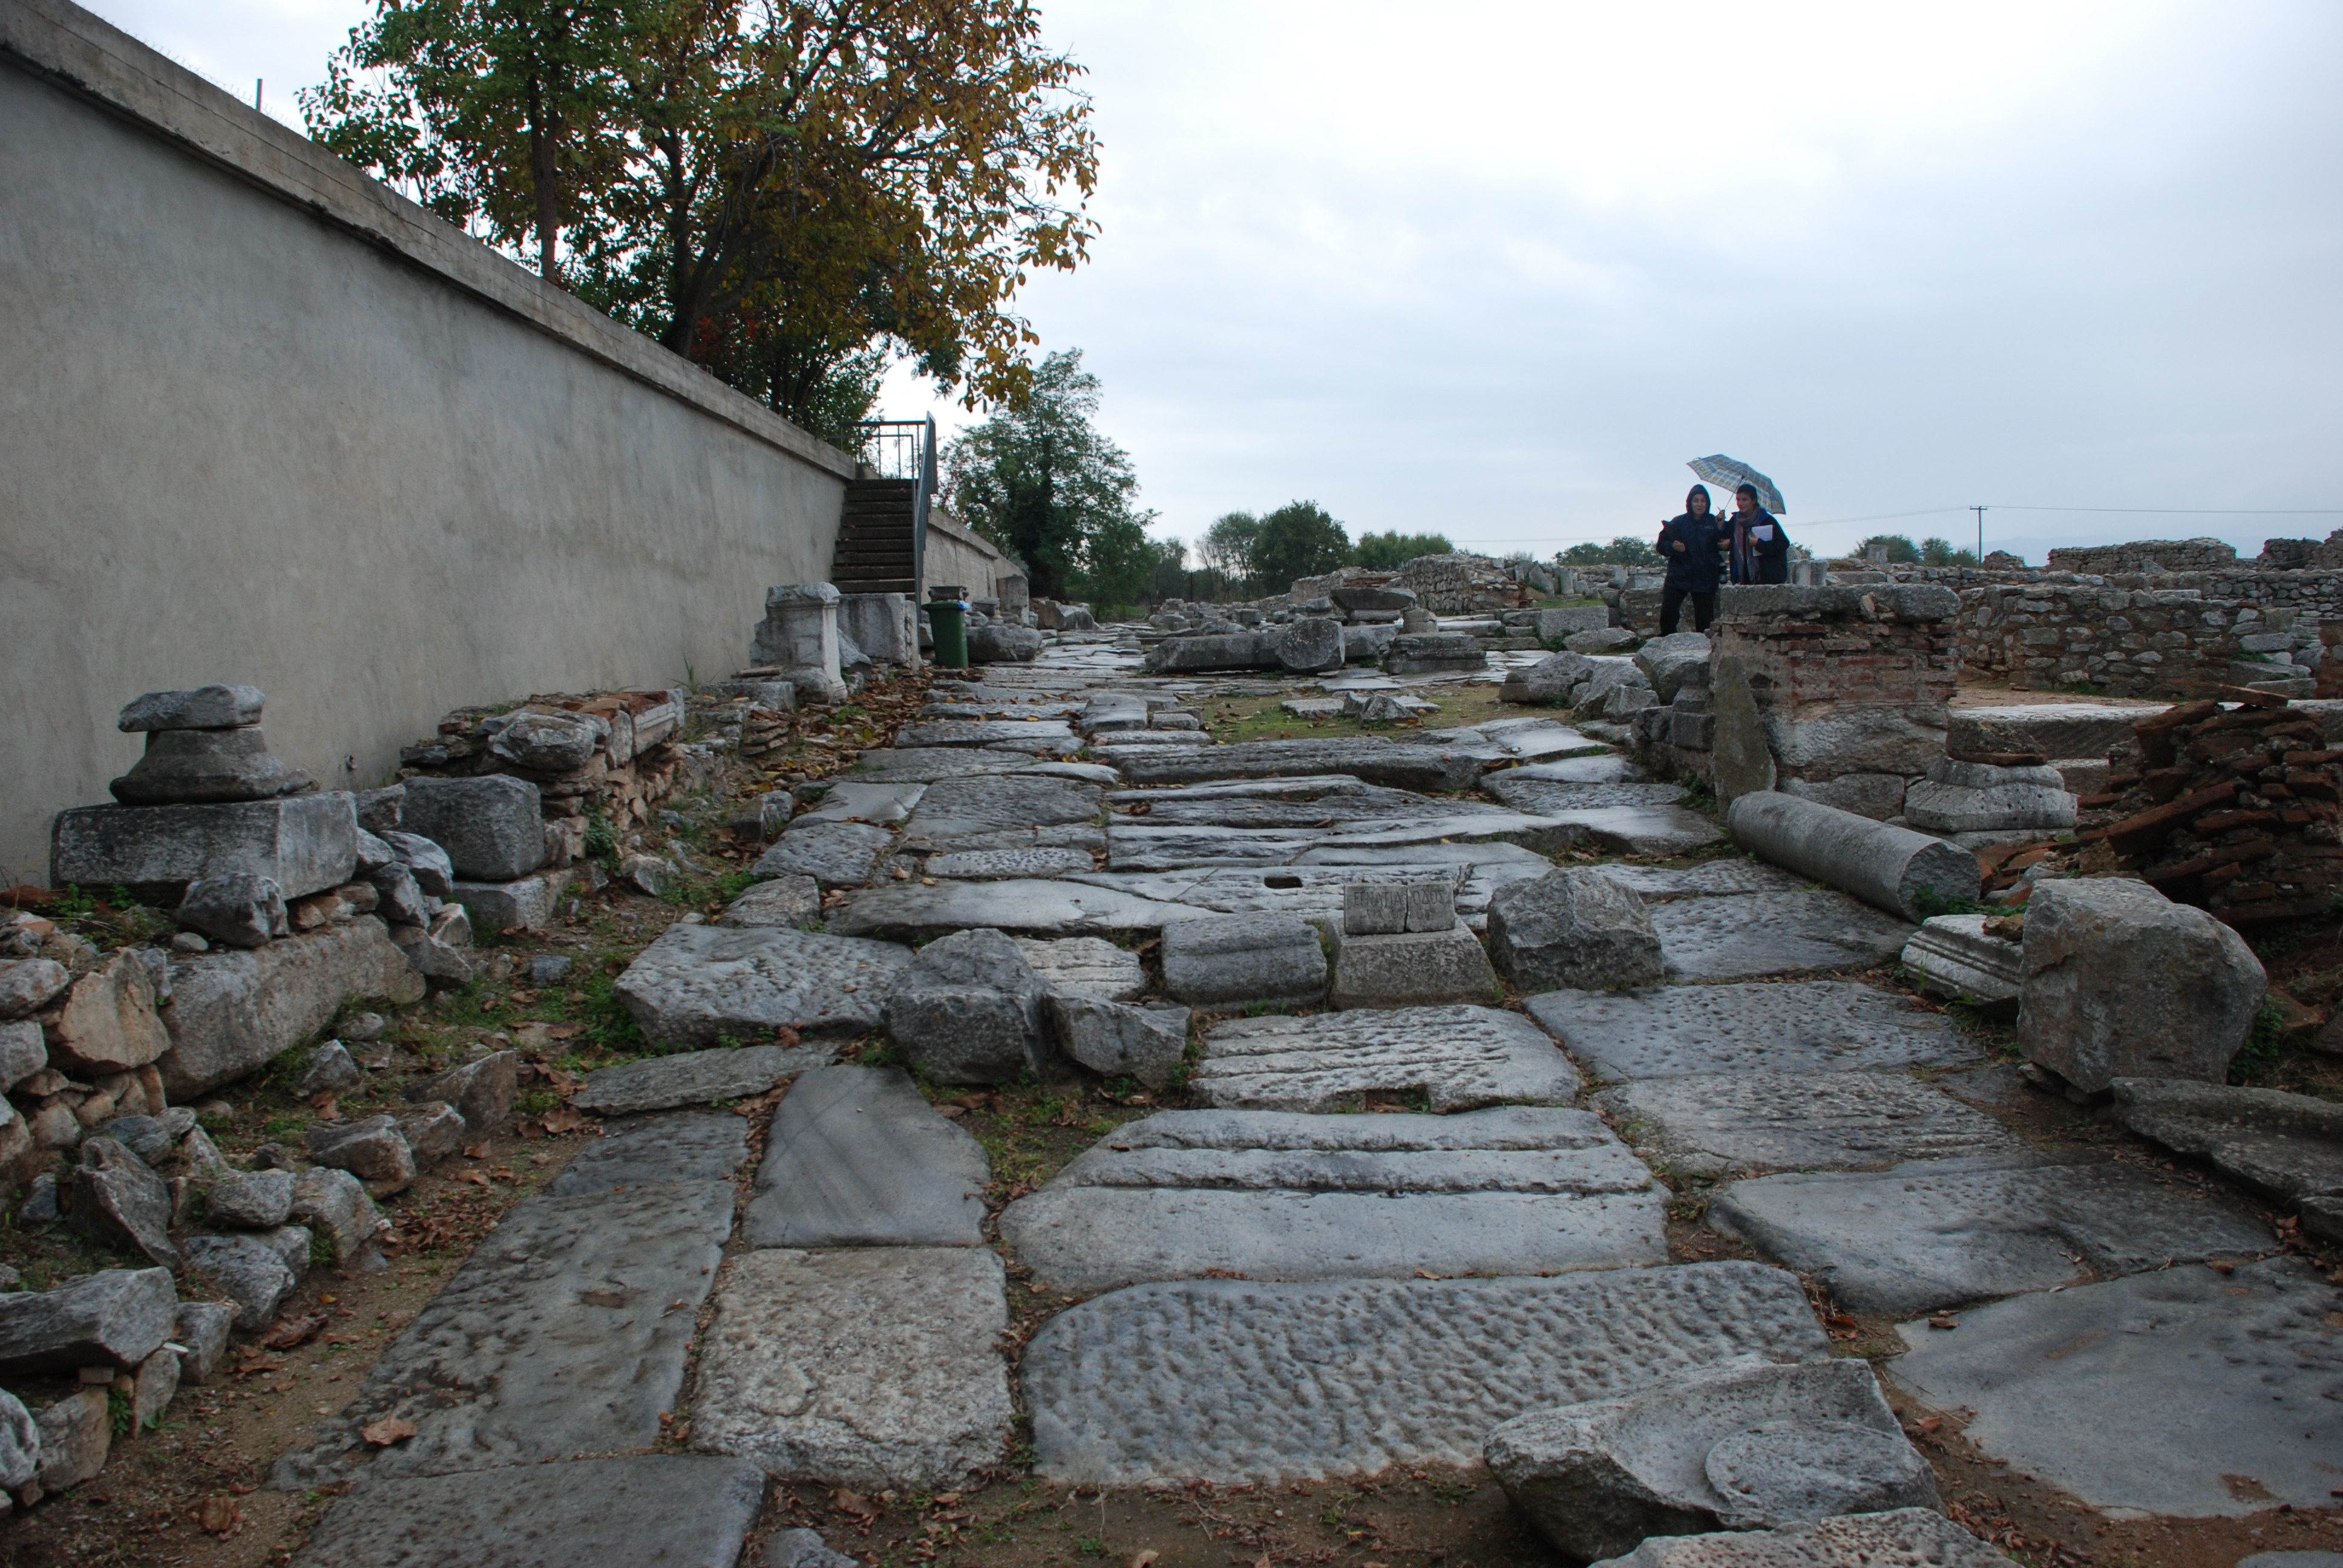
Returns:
point(1759, 546)
point(1693, 543)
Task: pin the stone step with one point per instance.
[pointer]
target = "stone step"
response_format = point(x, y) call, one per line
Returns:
point(696, 983)
point(1805, 1026)
point(1267, 1195)
point(1235, 1381)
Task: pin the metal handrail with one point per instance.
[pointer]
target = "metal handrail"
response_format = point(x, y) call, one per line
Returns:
point(905, 449)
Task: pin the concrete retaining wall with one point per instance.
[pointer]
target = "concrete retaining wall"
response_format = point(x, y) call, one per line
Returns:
point(263, 421)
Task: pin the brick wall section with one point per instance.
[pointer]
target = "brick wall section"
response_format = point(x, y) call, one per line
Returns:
point(1837, 652)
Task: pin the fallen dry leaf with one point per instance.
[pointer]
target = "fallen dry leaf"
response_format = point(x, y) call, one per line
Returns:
point(562, 1119)
point(390, 1429)
point(1944, 1320)
point(292, 1332)
point(475, 1177)
point(479, 1151)
point(323, 1104)
point(218, 1516)
point(1926, 1425)
point(854, 1502)
point(1147, 1559)
point(786, 1038)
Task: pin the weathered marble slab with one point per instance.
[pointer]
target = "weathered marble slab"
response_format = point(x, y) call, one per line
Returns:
point(637, 1151)
point(1752, 935)
point(1544, 797)
point(1008, 865)
point(834, 853)
point(557, 1337)
point(646, 1508)
point(1029, 906)
point(1458, 1058)
point(1267, 1195)
point(1085, 966)
point(954, 809)
point(1804, 1026)
point(1658, 829)
point(982, 731)
point(1233, 1381)
point(694, 1078)
point(874, 800)
point(1742, 1123)
point(696, 983)
point(2180, 1392)
point(856, 1157)
point(1710, 878)
point(1940, 1234)
point(875, 1367)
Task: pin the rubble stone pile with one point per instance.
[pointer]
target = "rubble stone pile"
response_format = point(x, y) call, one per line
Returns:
point(612, 753)
point(2232, 809)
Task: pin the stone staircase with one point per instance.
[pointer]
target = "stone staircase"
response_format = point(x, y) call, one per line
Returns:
point(876, 550)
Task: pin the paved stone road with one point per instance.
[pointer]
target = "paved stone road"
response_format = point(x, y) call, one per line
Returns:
point(1283, 1278)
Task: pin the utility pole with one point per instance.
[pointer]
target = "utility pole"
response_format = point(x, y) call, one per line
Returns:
point(1980, 512)
point(256, 85)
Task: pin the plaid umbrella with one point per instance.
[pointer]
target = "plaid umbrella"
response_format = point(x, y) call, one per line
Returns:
point(1732, 473)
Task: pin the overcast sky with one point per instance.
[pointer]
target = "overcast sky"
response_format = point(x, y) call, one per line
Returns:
point(1499, 270)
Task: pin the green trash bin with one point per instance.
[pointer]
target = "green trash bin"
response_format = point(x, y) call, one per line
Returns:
point(948, 620)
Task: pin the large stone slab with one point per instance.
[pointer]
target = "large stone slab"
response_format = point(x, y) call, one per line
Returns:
point(1457, 1058)
point(875, 1367)
point(1573, 926)
point(2056, 729)
point(2286, 1147)
point(1267, 1195)
point(694, 1078)
point(1235, 960)
point(1283, 803)
point(230, 1013)
point(1993, 1227)
point(696, 983)
point(1058, 908)
point(1748, 935)
point(834, 853)
point(1904, 1538)
point(1805, 1026)
point(1233, 1381)
point(856, 1157)
point(2225, 1386)
point(960, 809)
point(984, 732)
point(557, 1337)
point(1954, 956)
point(681, 1147)
point(1008, 865)
point(1710, 878)
point(1403, 765)
point(675, 1509)
point(1741, 1123)
point(303, 843)
point(879, 801)
point(1545, 797)
point(1658, 830)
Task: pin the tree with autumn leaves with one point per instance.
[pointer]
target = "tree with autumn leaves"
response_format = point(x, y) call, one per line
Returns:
point(791, 193)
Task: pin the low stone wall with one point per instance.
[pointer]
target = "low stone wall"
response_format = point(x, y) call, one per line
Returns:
point(2147, 556)
point(2129, 639)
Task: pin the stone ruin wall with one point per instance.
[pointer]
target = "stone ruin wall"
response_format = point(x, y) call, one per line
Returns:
point(2146, 634)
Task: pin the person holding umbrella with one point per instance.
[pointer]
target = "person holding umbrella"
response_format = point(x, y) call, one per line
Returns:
point(1693, 544)
point(1760, 549)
